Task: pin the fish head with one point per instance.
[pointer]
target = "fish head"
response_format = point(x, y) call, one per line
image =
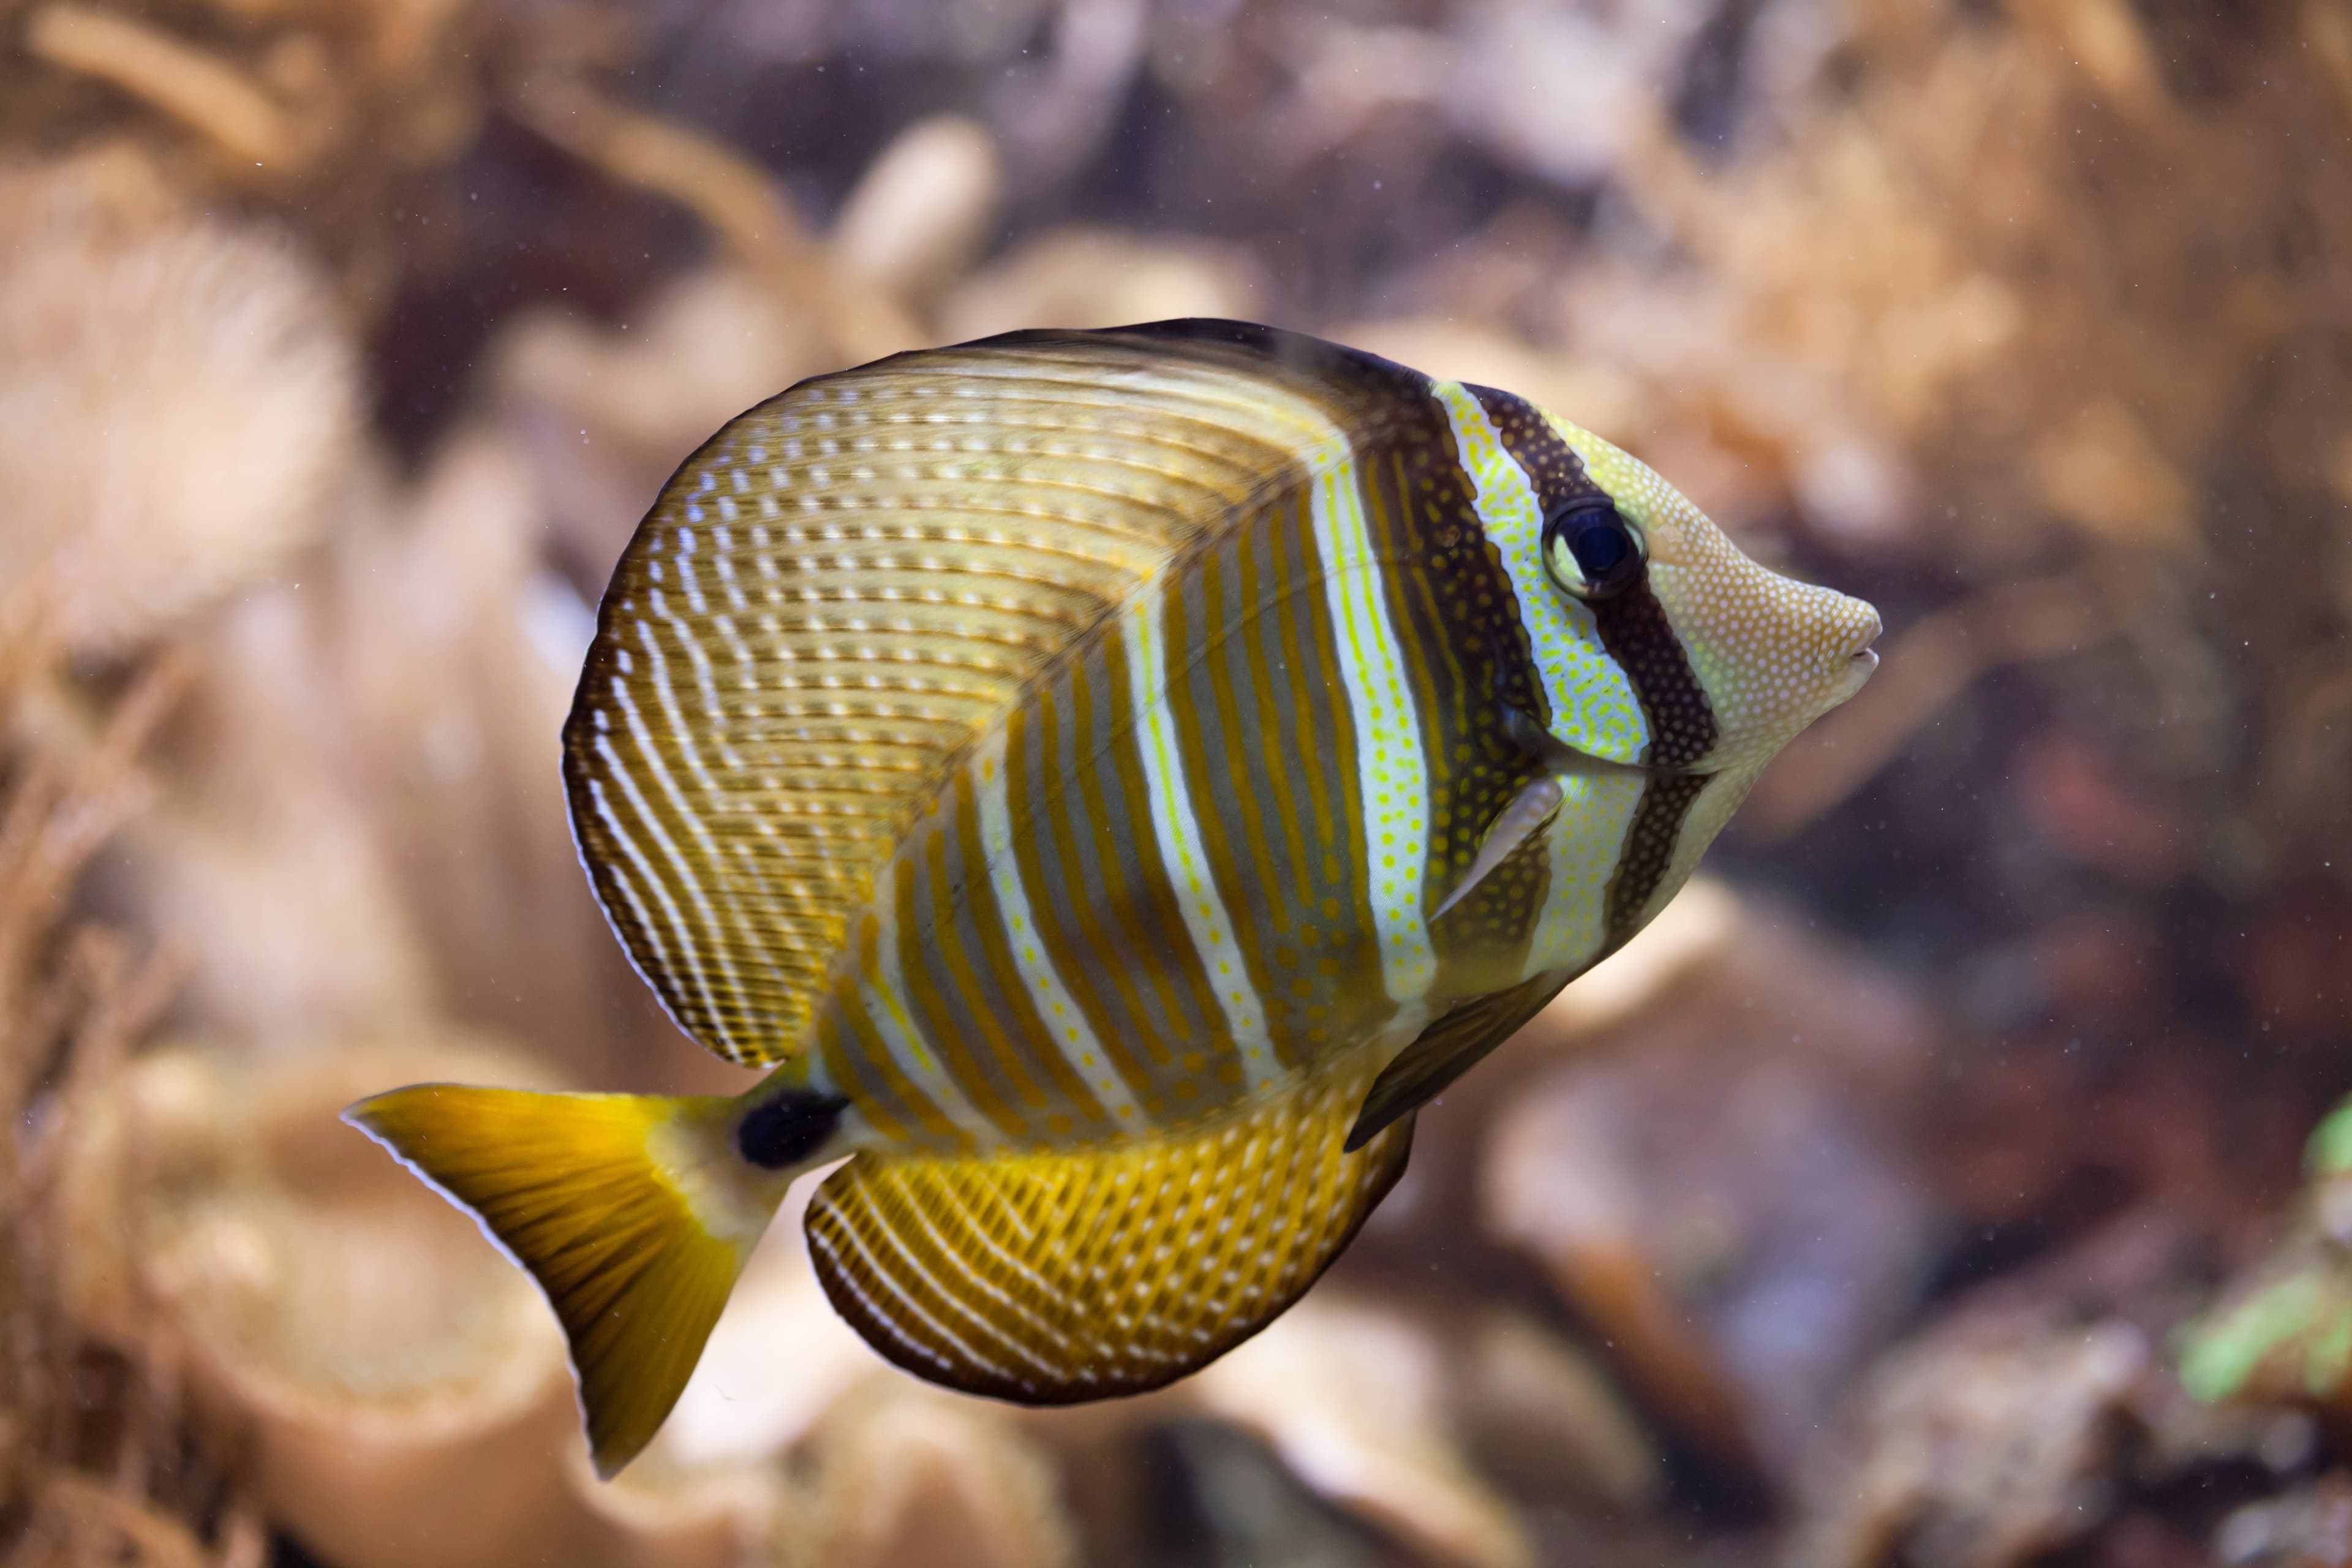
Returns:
point(1685, 654)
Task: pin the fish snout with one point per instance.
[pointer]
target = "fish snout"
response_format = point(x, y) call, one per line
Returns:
point(1862, 626)
point(1854, 627)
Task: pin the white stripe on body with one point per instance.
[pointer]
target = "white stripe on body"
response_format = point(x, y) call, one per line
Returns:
point(884, 996)
point(1178, 831)
point(1584, 845)
point(1072, 1036)
point(1392, 772)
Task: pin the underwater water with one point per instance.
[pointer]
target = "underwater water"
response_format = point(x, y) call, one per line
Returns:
point(1950, 1175)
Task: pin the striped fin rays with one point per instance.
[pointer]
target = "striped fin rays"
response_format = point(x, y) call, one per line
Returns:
point(1050, 1278)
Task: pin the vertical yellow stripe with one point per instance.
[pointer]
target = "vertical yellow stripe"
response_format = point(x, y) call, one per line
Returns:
point(850, 1069)
point(1014, 1053)
point(1130, 892)
point(1101, 985)
point(1257, 908)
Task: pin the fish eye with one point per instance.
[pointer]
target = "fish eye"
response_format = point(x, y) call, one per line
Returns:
point(1591, 552)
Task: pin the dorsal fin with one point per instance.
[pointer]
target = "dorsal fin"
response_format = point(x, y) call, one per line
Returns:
point(834, 597)
point(1056, 1277)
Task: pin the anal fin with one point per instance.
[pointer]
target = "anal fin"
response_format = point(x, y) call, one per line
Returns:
point(1050, 1278)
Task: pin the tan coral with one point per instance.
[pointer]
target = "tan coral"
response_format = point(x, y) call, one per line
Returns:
point(923, 208)
point(394, 1391)
point(261, 864)
point(607, 416)
point(451, 651)
point(365, 820)
point(1352, 1399)
point(908, 1476)
point(289, 917)
point(1542, 1417)
point(713, 1487)
point(1670, 1189)
point(177, 398)
point(1984, 1442)
point(659, 1513)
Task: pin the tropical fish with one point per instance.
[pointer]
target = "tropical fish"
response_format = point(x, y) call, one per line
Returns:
point(1111, 779)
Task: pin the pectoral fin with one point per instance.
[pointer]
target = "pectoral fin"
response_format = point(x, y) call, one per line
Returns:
point(1053, 1278)
point(1521, 818)
point(1524, 815)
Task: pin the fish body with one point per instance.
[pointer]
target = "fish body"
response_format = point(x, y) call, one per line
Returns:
point(1113, 778)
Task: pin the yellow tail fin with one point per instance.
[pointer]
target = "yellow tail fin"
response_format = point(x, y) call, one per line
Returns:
point(633, 1212)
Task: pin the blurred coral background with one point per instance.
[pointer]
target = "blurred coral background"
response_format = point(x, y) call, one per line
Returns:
point(1928, 1187)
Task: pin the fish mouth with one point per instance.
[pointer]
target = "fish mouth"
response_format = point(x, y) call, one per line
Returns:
point(1862, 662)
point(1853, 675)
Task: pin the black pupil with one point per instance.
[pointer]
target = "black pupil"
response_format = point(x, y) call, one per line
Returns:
point(1599, 542)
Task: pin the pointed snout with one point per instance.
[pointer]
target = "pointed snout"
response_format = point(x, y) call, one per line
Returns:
point(1851, 626)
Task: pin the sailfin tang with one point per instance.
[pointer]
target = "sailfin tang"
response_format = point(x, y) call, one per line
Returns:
point(1447, 1049)
point(630, 1211)
point(1050, 1280)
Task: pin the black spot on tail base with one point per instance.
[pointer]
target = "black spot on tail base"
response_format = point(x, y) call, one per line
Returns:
point(787, 1129)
